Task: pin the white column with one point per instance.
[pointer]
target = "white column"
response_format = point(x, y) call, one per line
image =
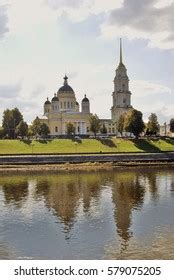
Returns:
point(81, 128)
point(85, 128)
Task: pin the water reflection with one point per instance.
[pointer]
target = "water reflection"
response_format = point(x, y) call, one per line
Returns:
point(15, 191)
point(95, 212)
point(127, 194)
point(64, 194)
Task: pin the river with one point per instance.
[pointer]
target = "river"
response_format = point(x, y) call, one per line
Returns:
point(119, 214)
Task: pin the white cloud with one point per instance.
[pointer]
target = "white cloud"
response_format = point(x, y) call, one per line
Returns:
point(148, 97)
point(142, 88)
point(151, 20)
point(79, 10)
point(24, 15)
point(8, 91)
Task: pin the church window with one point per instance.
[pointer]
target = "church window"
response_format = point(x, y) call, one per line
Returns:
point(109, 130)
point(78, 129)
point(65, 105)
point(124, 100)
point(56, 129)
point(68, 104)
point(113, 130)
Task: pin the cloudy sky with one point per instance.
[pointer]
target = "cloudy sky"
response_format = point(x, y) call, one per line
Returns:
point(41, 40)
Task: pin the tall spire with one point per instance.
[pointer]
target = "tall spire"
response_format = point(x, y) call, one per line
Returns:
point(121, 56)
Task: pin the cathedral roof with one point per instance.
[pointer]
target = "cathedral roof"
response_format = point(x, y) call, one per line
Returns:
point(65, 87)
point(85, 99)
point(55, 98)
point(47, 102)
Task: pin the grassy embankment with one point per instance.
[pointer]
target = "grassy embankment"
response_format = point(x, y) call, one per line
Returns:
point(84, 146)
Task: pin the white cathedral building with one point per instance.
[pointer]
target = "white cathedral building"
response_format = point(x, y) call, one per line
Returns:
point(64, 107)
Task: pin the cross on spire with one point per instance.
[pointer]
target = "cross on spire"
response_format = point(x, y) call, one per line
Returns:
point(65, 80)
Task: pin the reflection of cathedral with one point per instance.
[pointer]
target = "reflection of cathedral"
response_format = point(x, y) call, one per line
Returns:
point(64, 108)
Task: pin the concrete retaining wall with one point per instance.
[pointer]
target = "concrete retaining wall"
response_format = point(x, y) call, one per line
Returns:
point(53, 159)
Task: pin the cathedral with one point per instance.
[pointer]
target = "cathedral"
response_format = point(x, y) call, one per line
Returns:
point(64, 107)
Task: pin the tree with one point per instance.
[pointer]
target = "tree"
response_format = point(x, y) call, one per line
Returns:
point(152, 125)
point(120, 124)
point(10, 120)
point(22, 129)
point(17, 116)
point(43, 130)
point(94, 124)
point(35, 127)
point(134, 122)
point(172, 125)
point(70, 129)
point(103, 130)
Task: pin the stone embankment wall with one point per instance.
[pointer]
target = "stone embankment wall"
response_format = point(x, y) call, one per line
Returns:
point(57, 159)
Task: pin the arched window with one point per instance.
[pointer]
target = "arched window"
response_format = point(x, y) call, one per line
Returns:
point(56, 129)
point(68, 104)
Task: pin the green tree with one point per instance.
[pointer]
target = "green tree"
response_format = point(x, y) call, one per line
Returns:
point(172, 125)
point(10, 120)
point(120, 124)
point(153, 125)
point(22, 129)
point(17, 115)
point(103, 130)
point(70, 128)
point(35, 127)
point(134, 122)
point(94, 124)
point(43, 130)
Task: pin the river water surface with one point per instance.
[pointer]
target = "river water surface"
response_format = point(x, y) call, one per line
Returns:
point(120, 214)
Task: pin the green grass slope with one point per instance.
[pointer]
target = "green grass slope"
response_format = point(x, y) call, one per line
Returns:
point(84, 146)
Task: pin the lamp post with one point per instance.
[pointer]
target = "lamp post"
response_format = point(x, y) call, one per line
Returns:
point(32, 146)
point(165, 129)
point(118, 143)
point(75, 147)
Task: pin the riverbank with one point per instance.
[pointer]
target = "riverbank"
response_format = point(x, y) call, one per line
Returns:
point(69, 167)
point(88, 158)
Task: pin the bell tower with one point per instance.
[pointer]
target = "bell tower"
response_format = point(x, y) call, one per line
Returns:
point(121, 95)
